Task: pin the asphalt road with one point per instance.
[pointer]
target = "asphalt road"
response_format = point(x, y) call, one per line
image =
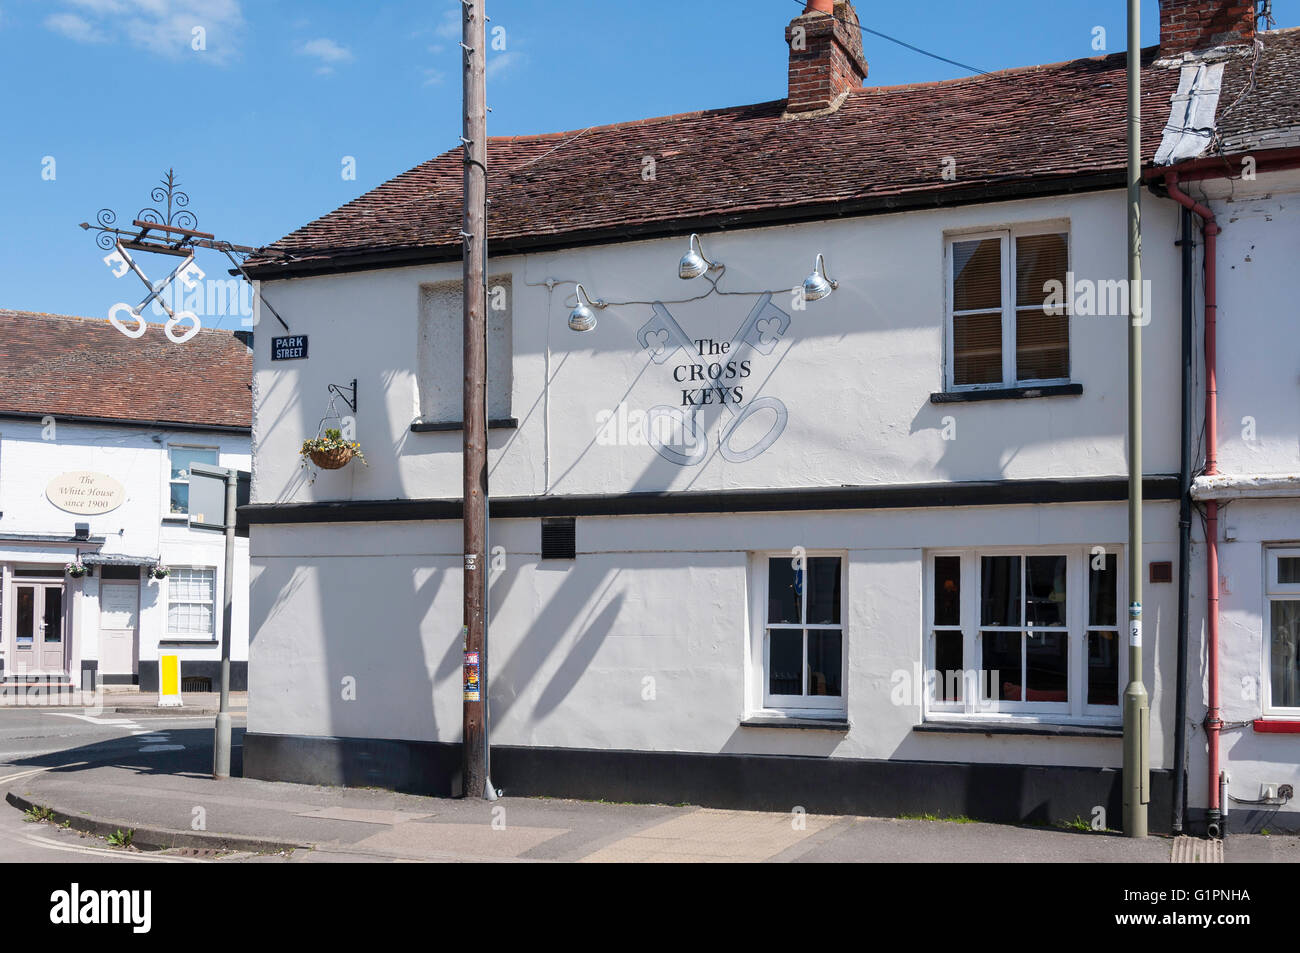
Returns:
point(54, 739)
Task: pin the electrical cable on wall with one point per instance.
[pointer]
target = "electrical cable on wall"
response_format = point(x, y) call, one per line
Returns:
point(713, 289)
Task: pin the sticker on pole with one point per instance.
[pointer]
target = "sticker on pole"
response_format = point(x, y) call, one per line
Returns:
point(1135, 625)
point(169, 681)
point(471, 677)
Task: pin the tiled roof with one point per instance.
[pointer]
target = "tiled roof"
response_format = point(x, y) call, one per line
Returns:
point(1269, 115)
point(84, 367)
point(1039, 128)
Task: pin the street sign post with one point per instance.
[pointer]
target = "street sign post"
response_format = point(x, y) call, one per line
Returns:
point(207, 506)
point(206, 482)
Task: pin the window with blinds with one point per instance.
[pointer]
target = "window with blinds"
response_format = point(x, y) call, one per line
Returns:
point(1001, 330)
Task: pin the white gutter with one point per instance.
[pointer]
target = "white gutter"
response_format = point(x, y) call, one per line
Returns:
point(1227, 486)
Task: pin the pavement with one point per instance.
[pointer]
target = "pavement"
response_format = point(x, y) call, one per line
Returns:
point(102, 772)
point(329, 824)
point(199, 703)
point(118, 701)
point(270, 821)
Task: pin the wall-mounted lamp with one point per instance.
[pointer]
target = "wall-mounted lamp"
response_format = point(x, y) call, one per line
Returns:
point(818, 285)
point(694, 263)
point(583, 318)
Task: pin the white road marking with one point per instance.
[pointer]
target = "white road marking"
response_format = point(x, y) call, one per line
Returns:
point(96, 719)
point(28, 774)
point(118, 855)
point(145, 735)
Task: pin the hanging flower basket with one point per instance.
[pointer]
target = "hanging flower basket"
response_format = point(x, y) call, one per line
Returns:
point(76, 570)
point(331, 459)
point(331, 452)
point(159, 572)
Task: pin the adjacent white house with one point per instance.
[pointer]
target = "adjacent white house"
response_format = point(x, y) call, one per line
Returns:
point(1247, 484)
point(753, 546)
point(97, 436)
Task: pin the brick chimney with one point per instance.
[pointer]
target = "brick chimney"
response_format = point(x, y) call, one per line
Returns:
point(826, 59)
point(1187, 25)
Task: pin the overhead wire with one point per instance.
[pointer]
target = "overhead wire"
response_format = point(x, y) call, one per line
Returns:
point(903, 43)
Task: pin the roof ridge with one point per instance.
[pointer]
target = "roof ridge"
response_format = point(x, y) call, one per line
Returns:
point(1147, 51)
point(722, 110)
point(627, 124)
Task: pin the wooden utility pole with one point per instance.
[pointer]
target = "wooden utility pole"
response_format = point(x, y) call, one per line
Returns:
point(474, 237)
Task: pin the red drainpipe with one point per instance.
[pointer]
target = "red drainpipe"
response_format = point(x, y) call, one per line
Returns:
point(1195, 170)
point(1213, 722)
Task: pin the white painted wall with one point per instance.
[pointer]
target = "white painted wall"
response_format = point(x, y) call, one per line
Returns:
point(1258, 378)
point(665, 597)
point(1249, 757)
point(138, 459)
point(668, 596)
point(1258, 324)
point(855, 371)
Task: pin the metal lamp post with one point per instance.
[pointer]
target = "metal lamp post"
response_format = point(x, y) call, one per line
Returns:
point(1137, 710)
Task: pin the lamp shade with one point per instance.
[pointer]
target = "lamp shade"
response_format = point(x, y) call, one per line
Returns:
point(582, 318)
point(693, 263)
point(818, 285)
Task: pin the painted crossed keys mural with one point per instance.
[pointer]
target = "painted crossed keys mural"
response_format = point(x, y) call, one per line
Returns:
point(677, 434)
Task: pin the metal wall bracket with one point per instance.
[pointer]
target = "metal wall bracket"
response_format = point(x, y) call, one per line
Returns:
point(338, 389)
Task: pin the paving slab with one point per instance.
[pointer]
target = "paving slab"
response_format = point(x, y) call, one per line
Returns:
point(728, 836)
point(416, 840)
point(1261, 849)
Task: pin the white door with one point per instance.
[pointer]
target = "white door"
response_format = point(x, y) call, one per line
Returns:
point(119, 615)
point(39, 644)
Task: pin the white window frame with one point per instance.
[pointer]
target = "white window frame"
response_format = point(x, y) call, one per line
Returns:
point(168, 481)
point(973, 706)
point(171, 636)
point(1009, 309)
point(799, 706)
point(1275, 592)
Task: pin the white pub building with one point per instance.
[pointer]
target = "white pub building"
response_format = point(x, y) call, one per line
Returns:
point(736, 522)
point(100, 573)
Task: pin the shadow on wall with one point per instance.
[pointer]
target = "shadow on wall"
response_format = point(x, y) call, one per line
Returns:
point(401, 672)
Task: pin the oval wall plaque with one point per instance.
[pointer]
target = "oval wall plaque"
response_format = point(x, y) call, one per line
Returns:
point(85, 493)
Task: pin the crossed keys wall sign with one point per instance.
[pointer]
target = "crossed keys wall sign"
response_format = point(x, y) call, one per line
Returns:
point(682, 440)
point(172, 232)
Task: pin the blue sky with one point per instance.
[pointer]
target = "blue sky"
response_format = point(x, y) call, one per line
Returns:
point(258, 123)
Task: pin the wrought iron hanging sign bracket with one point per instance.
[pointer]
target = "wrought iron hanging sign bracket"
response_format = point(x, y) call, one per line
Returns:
point(338, 389)
point(166, 228)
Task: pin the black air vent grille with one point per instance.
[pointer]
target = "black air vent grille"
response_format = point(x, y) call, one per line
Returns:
point(559, 538)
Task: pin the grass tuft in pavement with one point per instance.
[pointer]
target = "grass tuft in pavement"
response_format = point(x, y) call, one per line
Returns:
point(37, 814)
